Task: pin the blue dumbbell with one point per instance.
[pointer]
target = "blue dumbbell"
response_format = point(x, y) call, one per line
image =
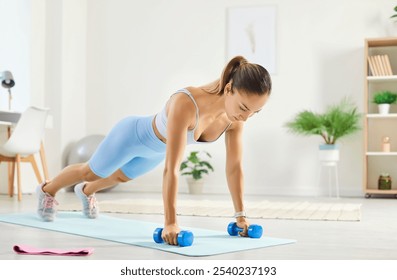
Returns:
point(254, 231)
point(185, 237)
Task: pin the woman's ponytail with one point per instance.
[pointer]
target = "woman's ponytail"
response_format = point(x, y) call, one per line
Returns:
point(248, 77)
point(230, 70)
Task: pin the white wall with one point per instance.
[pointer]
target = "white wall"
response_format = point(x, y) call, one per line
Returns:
point(106, 59)
point(17, 46)
point(44, 45)
point(140, 52)
point(65, 70)
point(15, 19)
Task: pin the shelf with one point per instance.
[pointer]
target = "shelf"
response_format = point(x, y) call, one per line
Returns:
point(380, 116)
point(381, 153)
point(376, 191)
point(382, 79)
point(376, 125)
point(381, 42)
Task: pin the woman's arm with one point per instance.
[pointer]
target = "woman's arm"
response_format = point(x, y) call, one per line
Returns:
point(181, 114)
point(234, 171)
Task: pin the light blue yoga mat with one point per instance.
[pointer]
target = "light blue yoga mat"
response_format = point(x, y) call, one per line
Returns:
point(134, 232)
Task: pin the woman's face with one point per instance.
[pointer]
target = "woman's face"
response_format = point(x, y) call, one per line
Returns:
point(240, 106)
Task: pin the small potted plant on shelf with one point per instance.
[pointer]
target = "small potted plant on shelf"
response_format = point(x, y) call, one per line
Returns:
point(336, 122)
point(384, 99)
point(195, 167)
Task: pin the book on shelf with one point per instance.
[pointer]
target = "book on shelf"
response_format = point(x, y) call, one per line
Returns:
point(379, 65)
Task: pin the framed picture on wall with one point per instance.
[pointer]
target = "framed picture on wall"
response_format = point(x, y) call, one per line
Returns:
point(251, 32)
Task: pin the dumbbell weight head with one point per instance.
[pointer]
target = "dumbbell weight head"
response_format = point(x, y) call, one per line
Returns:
point(232, 229)
point(185, 238)
point(157, 235)
point(255, 231)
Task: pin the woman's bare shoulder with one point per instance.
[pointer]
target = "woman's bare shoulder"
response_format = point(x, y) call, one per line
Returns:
point(181, 108)
point(181, 100)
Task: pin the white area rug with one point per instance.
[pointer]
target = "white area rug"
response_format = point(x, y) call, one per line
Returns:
point(299, 210)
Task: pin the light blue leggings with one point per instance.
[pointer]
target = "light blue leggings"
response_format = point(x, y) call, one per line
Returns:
point(130, 146)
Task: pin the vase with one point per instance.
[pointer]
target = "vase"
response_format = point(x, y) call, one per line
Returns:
point(328, 154)
point(383, 109)
point(195, 186)
point(384, 182)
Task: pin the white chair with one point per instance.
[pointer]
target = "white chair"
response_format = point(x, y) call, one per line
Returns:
point(24, 142)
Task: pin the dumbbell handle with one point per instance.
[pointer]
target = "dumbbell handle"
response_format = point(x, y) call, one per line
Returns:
point(239, 229)
point(184, 238)
point(254, 231)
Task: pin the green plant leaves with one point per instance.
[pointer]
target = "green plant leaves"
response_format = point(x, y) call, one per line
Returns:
point(384, 97)
point(395, 9)
point(195, 166)
point(338, 121)
point(306, 123)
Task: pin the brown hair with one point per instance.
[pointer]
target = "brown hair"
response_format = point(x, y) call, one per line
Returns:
point(245, 76)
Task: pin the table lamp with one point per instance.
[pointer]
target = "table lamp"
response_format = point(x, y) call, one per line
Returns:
point(7, 81)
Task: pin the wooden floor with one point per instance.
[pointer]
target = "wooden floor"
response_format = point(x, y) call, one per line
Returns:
point(372, 238)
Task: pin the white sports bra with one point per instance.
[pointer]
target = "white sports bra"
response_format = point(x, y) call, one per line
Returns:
point(161, 121)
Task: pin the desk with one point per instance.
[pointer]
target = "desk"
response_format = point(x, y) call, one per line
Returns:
point(10, 118)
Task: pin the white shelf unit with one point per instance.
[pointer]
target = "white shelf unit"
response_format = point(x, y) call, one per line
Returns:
point(384, 154)
point(380, 116)
point(382, 79)
point(377, 126)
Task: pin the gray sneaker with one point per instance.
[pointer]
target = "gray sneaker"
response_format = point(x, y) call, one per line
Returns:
point(46, 208)
point(90, 205)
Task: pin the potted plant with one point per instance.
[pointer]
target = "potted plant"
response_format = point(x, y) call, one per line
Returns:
point(384, 99)
point(195, 167)
point(338, 121)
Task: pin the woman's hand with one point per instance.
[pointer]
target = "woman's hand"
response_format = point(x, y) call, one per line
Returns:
point(244, 224)
point(170, 234)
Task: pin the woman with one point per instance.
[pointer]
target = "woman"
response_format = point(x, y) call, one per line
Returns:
point(138, 144)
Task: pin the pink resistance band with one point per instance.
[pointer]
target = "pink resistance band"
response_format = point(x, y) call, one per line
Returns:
point(29, 250)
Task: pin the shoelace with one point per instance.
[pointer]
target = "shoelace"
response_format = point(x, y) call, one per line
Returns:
point(48, 202)
point(92, 204)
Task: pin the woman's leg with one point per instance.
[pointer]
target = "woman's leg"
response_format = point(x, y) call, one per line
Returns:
point(70, 175)
point(86, 192)
point(104, 183)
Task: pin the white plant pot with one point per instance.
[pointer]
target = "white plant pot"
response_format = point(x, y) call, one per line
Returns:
point(328, 154)
point(195, 186)
point(383, 109)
